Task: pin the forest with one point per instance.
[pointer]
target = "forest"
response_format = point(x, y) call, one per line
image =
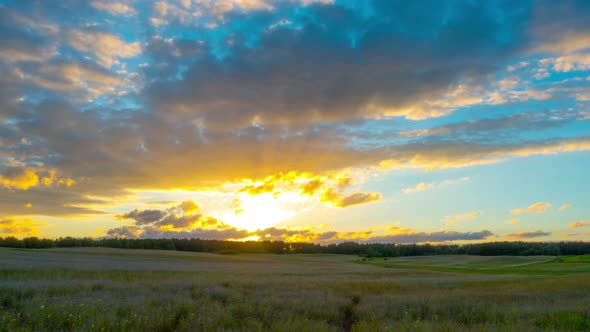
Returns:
point(279, 247)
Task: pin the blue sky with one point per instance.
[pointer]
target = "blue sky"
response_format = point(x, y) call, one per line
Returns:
point(297, 120)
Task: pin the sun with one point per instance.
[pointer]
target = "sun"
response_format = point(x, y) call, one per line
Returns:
point(263, 211)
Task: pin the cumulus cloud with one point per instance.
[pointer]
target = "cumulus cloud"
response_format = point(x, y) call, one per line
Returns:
point(578, 224)
point(183, 215)
point(125, 232)
point(565, 207)
point(539, 207)
point(143, 217)
point(527, 235)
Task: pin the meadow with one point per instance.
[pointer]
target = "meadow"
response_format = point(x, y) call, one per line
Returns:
point(104, 289)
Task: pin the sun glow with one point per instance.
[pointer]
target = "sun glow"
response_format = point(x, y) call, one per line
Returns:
point(252, 212)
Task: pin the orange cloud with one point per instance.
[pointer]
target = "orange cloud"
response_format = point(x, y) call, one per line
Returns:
point(565, 207)
point(539, 207)
point(578, 224)
point(312, 186)
point(19, 228)
point(19, 178)
point(341, 200)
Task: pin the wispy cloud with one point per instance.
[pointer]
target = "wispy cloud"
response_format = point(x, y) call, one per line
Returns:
point(578, 224)
point(452, 220)
point(426, 186)
point(539, 207)
point(527, 235)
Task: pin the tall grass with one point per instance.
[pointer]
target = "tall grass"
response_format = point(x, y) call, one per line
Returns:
point(283, 294)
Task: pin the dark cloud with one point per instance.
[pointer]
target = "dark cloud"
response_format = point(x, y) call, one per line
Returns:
point(440, 236)
point(157, 233)
point(143, 217)
point(48, 201)
point(496, 129)
point(319, 72)
point(124, 232)
point(528, 235)
point(183, 215)
point(358, 198)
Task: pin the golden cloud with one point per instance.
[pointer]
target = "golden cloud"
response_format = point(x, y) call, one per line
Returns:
point(539, 207)
point(579, 224)
point(19, 228)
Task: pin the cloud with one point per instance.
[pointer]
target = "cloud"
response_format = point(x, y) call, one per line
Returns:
point(358, 198)
point(23, 178)
point(114, 7)
point(125, 232)
point(143, 217)
point(277, 81)
point(452, 220)
point(439, 236)
point(396, 235)
point(427, 186)
point(88, 79)
point(312, 186)
point(183, 215)
point(105, 46)
point(565, 207)
point(241, 101)
point(19, 228)
point(19, 178)
point(55, 201)
point(150, 232)
point(481, 129)
point(538, 207)
point(578, 224)
point(527, 235)
point(513, 221)
point(343, 200)
point(419, 187)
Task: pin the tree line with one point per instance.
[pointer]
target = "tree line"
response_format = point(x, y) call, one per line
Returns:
point(280, 247)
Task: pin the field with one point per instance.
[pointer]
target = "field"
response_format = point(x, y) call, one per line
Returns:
point(99, 289)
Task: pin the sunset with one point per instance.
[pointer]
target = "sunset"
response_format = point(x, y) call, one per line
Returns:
point(365, 120)
point(316, 122)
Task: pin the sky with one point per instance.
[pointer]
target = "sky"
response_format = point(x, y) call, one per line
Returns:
point(298, 120)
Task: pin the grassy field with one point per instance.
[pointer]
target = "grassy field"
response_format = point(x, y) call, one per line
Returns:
point(99, 289)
